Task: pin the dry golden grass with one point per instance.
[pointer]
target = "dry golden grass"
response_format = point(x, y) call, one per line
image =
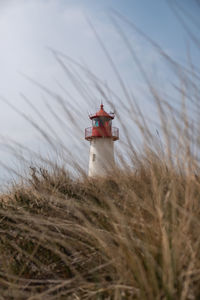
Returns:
point(129, 236)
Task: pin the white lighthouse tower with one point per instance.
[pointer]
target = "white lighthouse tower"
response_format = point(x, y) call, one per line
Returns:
point(101, 136)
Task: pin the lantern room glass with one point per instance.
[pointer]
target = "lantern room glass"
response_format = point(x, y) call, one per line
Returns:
point(95, 122)
point(101, 121)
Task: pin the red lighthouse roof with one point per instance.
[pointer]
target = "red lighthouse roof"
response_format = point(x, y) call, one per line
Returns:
point(102, 113)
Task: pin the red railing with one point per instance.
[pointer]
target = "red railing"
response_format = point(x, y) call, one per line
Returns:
point(89, 133)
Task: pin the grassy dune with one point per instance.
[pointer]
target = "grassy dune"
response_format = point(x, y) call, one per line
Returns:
point(129, 236)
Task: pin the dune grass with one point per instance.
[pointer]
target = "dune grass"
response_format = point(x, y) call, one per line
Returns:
point(127, 236)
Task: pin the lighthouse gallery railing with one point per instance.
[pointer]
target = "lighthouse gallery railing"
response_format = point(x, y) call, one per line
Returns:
point(114, 130)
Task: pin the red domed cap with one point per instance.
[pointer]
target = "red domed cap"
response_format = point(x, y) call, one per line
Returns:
point(102, 113)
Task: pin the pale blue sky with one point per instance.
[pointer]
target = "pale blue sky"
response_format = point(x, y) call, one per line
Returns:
point(29, 27)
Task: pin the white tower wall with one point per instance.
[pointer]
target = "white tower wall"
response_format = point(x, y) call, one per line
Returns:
point(101, 156)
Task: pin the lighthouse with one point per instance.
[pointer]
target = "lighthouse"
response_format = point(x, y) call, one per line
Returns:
point(101, 137)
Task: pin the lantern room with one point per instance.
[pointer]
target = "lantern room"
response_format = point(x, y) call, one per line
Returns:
point(102, 126)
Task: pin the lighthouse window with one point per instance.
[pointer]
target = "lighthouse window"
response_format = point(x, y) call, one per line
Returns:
point(104, 121)
point(93, 157)
point(101, 122)
point(95, 122)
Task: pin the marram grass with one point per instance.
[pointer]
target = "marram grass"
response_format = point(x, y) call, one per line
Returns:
point(127, 236)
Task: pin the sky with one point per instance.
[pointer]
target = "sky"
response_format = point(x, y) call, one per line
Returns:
point(31, 29)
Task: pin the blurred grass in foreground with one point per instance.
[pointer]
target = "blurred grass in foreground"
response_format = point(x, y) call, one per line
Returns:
point(129, 236)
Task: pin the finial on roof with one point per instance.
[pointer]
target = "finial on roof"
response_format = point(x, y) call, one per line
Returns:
point(101, 106)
